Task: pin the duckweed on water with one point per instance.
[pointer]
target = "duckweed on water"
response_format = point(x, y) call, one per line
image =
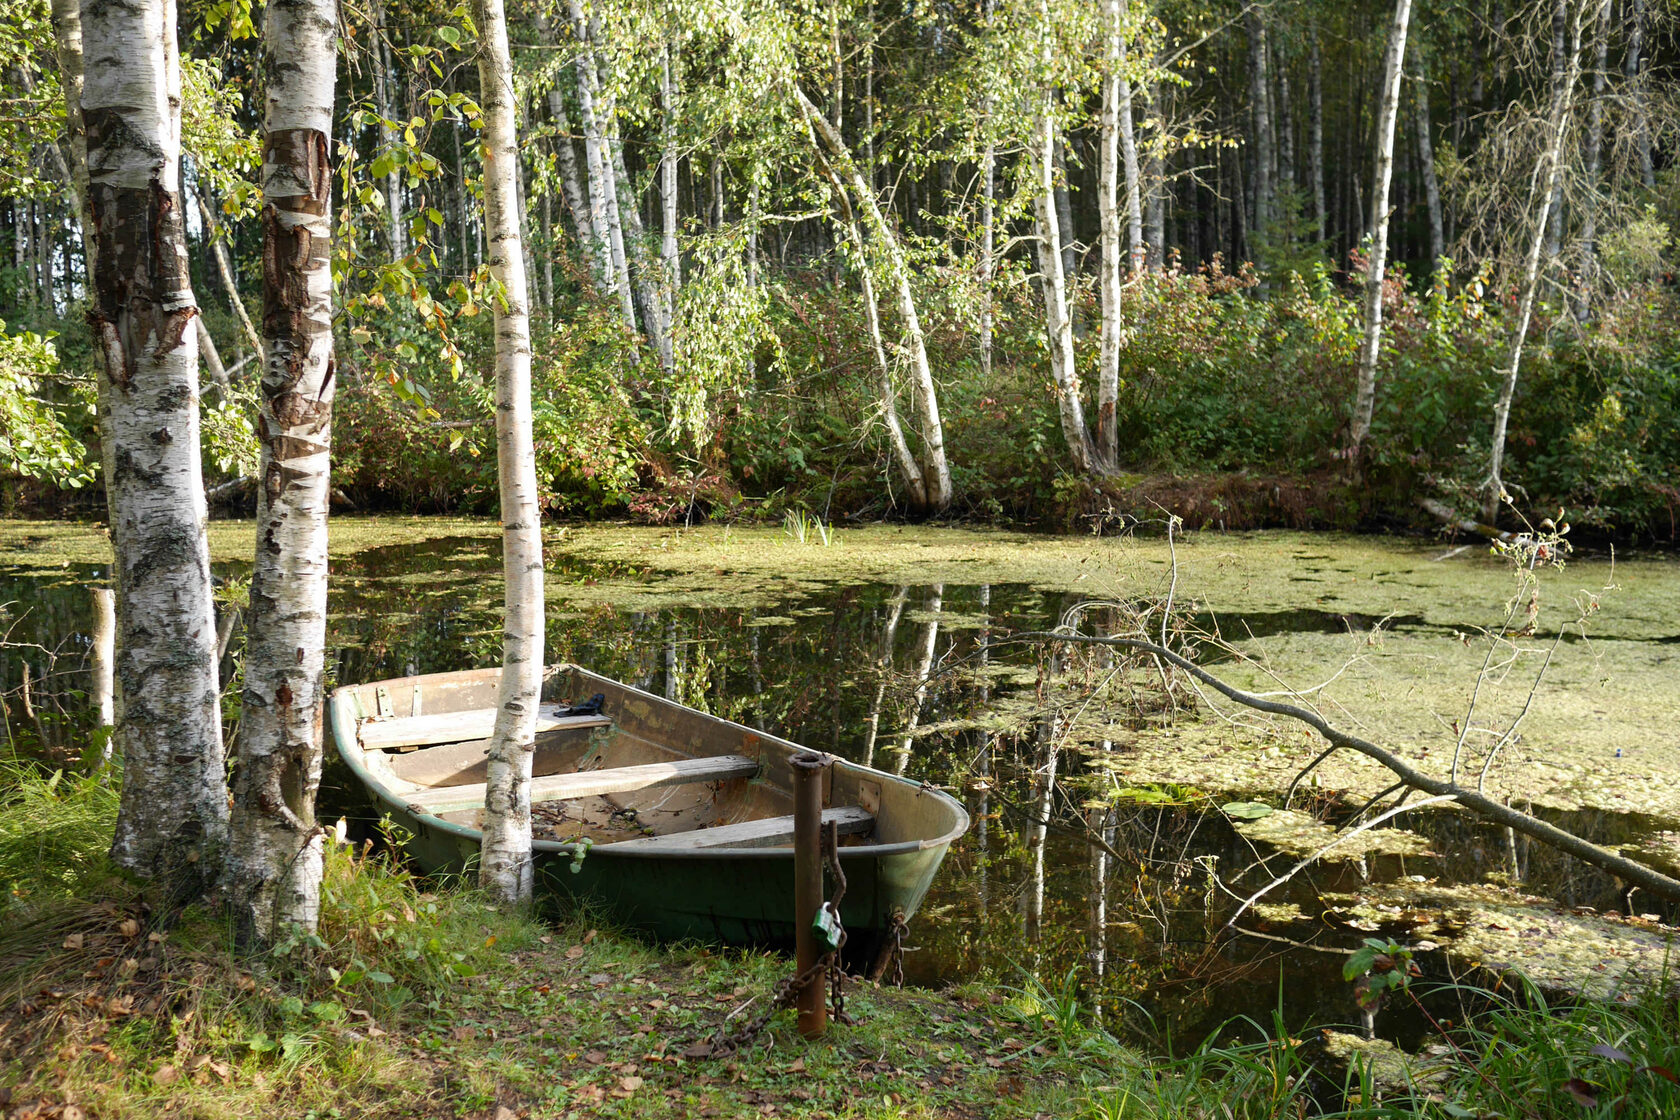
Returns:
point(1602, 956)
point(1301, 834)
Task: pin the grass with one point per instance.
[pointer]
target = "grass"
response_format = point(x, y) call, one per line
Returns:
point(417, 999)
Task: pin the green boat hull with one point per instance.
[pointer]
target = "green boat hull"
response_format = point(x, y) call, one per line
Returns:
point(731, 895)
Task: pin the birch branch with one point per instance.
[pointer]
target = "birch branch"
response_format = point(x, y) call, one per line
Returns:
point(1623, 868)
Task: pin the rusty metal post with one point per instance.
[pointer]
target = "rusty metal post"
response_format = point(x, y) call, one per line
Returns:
point(807, 885)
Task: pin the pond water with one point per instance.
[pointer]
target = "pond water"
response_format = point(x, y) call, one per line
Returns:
point(891, 646)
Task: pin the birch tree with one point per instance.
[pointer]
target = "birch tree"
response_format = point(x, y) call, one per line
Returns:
point(936, 469)
point(1376, 264)
point(505, 866)
point(1548, 174)
point(1115, 95)
point(1053, 285)
point(172, 822)
point(274, 869)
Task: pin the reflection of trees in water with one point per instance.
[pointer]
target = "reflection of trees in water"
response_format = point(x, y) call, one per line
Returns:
point(928, 645)
point(842, 670)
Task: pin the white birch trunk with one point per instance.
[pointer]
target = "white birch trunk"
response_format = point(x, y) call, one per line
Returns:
point(903, 457)
point(579, 199)
point(936, 469)
point(644, 270)
point(672, 261)
point(274, 869)
point(1054, 286)
point(209, 355)
point(1116, 118)
point(1547, 176)
point(988, 253)
point(505, 865)
point(172, 823)
point(1586, 275)
point(988, 197)
point(603, 185)
point(1365, 391)
point(1259, 76)
point(1560, 69)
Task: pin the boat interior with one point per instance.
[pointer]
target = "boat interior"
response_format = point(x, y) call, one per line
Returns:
point(641, 773)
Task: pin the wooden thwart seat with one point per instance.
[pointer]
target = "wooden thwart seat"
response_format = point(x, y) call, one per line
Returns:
point(458, 727)
point(764, 833)
point(597, 783)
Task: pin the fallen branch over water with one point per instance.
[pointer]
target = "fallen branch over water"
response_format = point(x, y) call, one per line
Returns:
point(1627, 870)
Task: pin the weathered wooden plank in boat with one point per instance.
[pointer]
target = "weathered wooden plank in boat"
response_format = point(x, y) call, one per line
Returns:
point(763, 833)
point(598, 783)
point(456, 727)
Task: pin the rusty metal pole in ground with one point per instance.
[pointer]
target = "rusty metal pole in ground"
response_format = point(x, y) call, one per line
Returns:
point(807, 885)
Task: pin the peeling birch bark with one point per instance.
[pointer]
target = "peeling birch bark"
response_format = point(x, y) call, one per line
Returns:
point(274, 869)
point(172, 822)
point(505, 864)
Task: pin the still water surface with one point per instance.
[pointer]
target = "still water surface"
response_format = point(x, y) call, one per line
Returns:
point(902, 675)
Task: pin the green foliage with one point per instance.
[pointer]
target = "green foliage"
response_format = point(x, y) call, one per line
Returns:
point(34, 439)
point(1377, 967)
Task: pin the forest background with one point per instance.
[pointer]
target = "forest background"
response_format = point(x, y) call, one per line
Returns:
point(759, 234)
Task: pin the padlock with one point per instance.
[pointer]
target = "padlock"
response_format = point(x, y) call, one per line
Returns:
point(826, 927)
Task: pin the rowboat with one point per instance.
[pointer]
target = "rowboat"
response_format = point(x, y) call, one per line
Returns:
point(677, 822)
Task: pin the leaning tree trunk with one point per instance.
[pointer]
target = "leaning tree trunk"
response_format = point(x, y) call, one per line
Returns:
point(936, 469)
point(505, 867)
point(903, 458)
point(274, 869)
point(1548, 175)
point(1365, 392)
point(172, 822)
point(224, 268)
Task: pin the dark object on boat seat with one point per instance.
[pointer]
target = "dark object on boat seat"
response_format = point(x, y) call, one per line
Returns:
point(590, 707)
